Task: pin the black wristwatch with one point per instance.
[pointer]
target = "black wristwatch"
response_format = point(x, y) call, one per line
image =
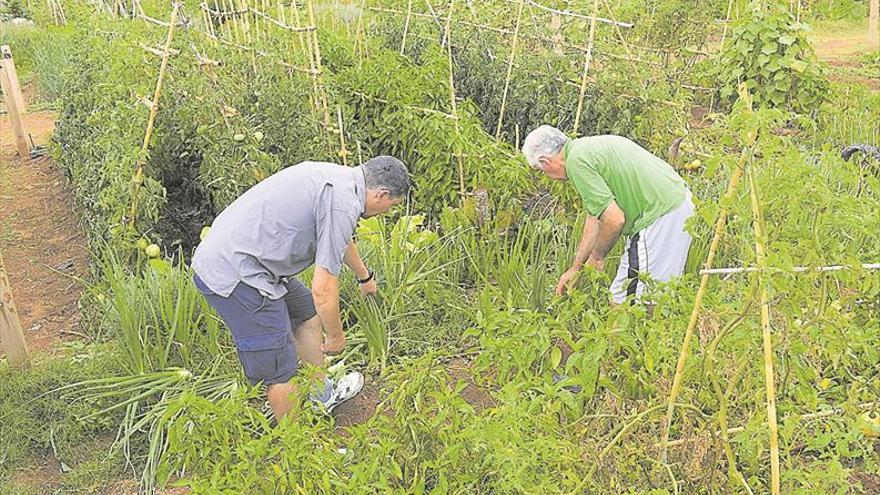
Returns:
point(362, 281)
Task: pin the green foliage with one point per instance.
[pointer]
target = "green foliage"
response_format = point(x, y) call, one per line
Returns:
point(769, 52)
point(34, 417)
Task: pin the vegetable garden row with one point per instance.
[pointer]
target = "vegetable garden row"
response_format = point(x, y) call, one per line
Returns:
point(465, 341)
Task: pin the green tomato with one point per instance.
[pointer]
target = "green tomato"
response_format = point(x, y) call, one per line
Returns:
point(153, 251)
point(238, 137)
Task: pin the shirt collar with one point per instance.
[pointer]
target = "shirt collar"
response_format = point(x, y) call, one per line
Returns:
point(566, 149)
point(360, 186)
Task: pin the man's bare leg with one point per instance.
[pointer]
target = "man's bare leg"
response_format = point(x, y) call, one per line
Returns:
point(280, 398)
point(308, 337)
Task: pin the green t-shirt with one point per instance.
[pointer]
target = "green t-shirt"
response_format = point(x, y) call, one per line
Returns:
point(609, 167)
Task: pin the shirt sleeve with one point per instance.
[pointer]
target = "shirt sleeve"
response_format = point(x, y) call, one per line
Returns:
point(334, 231)
point(592, 188)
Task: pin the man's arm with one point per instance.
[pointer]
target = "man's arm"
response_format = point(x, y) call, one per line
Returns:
point(611, 225)
point(588, 240)
point(354, 261)
point(325, 291)
point(597, 239)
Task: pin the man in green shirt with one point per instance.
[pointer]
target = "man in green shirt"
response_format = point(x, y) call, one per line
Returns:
point(627, 191)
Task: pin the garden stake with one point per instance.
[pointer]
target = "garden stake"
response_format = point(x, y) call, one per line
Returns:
point(761, 255)
point(406, 26)
point(587, 59)
point(142, 159)
point(318, 67)
point(342, 151)
point(519, 10)
point(704, 284)
point(310, 53)
point(448, 41)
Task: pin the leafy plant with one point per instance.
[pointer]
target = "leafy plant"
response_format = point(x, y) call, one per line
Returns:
point(770, 53)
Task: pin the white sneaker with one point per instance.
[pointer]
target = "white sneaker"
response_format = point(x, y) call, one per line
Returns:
point(347, 387)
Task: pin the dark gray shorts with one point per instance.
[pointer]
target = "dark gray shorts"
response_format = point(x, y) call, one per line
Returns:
point(262, 327)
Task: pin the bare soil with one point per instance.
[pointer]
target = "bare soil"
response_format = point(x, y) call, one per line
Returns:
point(43, 246)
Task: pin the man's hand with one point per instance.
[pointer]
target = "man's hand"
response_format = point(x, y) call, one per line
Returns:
point(567, 280)
point(597, 263)
point(369, 288)
point(333, 344)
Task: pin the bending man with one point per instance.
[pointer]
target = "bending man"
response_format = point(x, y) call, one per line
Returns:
point(627, 191)
point(303, 215)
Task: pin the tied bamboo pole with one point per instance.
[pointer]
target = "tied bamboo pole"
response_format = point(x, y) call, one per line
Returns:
point(317, 52)
point(519, 11)
point(448, 42)
point(770, 384)
point(406, 26)
point(343, 152)
point(704, 284)
point(154, 109)
point(588, 57)
point(315, 101)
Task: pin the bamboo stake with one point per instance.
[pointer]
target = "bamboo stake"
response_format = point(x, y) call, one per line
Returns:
point(770, 385)
point(310, 53)
point(360, 44)
point(142, 159)
point(448, 41)
point(796, 269)
point(738, 429)
point(617, 28)
point(575, 15)
point(704, 283)
point(587, 59)
point(519, 11)
point(726, 24)
point(342, 151)
point(320, 69)
point(406, 26)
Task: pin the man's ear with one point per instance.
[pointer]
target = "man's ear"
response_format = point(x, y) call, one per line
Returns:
point(383, 194)
point(543, 160)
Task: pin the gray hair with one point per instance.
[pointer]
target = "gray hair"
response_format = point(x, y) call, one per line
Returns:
point(543, 141)
point(389, 173)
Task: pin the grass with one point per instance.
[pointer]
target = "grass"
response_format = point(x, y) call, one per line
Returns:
point(850, 35)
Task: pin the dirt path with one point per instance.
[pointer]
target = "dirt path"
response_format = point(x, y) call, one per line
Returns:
point(41, 241)
point(842, 49)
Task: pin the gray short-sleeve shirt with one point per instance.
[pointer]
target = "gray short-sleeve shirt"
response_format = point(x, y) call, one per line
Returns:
point(303, 215)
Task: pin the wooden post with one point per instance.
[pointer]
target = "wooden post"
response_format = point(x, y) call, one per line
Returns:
point(9, 64)
point(11, 334)
point(874, 25)
point(519, 11)
point(587, 59)
point(15, 115)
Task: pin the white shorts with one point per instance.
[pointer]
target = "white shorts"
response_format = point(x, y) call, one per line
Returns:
point(659, 250)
